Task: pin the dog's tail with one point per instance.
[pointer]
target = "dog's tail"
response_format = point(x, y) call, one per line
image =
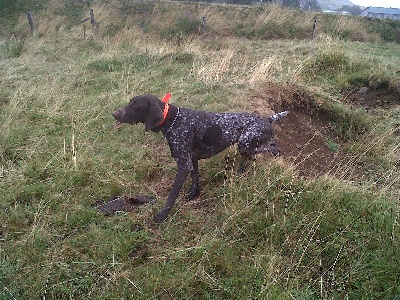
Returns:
point(278, 116)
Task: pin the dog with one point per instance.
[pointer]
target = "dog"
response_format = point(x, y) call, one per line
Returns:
point(194, 135)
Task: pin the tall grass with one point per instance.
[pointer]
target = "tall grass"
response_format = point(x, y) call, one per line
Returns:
point(267, 21)
point(266, 233)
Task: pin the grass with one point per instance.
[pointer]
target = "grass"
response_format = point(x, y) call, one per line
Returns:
point(14, 48)
point(265, 234)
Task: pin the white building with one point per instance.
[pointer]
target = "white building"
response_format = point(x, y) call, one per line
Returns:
point(381, 13)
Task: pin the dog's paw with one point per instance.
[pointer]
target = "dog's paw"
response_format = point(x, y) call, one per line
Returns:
point(193, 192)
point(160, 217)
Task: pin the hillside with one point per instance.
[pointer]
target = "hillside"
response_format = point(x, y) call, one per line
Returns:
point(319, 221)
point(333, 4)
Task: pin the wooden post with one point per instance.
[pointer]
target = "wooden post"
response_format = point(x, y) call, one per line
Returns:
point(30, 20)
point(92, 20)
point(203, 24)
point(314, 33)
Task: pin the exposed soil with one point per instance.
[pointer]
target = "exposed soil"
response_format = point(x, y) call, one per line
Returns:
point(372, 99)
point(304, 136)
point(305, 143)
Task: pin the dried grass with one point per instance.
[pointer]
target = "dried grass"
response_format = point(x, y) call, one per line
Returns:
point(267, 230)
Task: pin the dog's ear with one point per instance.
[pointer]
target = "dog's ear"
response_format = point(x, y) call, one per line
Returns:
point(154, 116)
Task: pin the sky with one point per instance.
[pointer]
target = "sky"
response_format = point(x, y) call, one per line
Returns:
point(377, 3)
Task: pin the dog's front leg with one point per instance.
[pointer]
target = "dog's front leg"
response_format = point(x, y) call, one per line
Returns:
point(194, 188)
point(181, 175)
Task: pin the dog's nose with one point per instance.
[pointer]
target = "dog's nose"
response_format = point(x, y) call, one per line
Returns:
point(117, 114)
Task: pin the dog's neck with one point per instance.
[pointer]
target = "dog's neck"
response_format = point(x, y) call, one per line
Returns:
point(170, 118)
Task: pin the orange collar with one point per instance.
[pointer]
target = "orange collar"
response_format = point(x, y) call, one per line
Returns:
point(166, 106)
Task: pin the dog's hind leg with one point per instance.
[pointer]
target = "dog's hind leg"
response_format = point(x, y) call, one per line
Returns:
point(270, 147)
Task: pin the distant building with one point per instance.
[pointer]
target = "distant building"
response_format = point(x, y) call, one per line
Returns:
point(381, 13)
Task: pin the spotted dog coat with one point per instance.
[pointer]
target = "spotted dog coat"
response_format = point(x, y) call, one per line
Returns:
point(194, 135)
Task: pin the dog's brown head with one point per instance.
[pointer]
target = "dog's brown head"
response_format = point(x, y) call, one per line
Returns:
point(145, 109)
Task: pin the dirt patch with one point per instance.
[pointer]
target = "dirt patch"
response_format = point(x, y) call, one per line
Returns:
point(309, 147)
point(371, 98)
point(304, 136)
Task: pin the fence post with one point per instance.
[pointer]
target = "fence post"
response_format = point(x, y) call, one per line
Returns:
point(92, 20)
point(314, 33)
point(202, 25)
point(30, 20)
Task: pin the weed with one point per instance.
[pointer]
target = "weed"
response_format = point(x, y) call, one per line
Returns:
point(332, 145)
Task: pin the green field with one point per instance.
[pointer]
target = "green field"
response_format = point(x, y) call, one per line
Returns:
point(320, 221)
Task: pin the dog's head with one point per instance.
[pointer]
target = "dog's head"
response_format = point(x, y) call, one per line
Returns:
point(141, 109)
